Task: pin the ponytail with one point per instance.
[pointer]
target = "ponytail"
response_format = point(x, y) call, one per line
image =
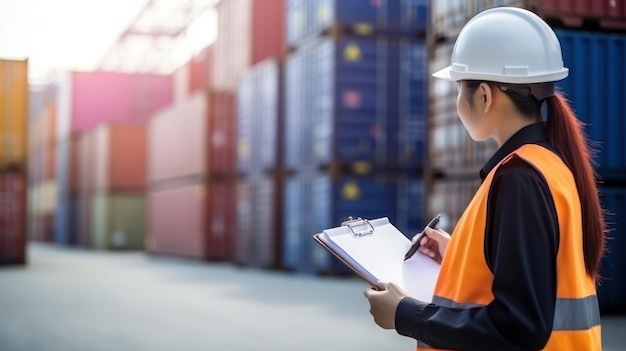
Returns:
point(566, 134)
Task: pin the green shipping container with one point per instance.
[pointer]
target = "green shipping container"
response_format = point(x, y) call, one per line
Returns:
point(117, 221)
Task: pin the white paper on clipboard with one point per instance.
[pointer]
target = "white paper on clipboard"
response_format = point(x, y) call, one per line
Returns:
point(375, 250)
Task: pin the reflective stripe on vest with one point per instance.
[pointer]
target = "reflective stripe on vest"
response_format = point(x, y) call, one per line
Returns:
point(569, 314)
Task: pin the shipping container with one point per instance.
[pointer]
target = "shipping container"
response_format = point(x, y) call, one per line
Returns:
point(316, 201)
point(259, 240)
point(201, 71)
point(83, 220)
point(13, 215)
point(596, 92)
point(63, 88)
point(259, 119)
point(86, 177)
point(306, 18)
point(13, 114)
point(449, 16)
point(180, 83)
point(612, 288)
point(117, 221)
point(222, 138)
point(358, 101)
point(203, 128)
point(107, 97)
point(450, 197)
point(180, 129)
point(66, 221)
point(249, 32)
point(192, 219)
point(119, 157)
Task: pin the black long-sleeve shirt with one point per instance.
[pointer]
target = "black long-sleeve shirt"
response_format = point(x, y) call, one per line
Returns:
point(520, 248)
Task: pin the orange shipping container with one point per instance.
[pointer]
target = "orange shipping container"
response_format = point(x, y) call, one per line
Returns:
point(13, 113)
point(119, 154)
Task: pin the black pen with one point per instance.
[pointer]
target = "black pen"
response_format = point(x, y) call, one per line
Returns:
point(413, 249)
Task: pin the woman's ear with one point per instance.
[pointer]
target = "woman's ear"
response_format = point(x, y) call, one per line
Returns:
point(486, 96)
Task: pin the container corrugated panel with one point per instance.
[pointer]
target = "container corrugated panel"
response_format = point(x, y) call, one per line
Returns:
point(117, 221)
point(451, 149)
point(449, 16)
point(176, 221)
point(306, 18)
point(180, 129)
point(63, 86)
point(86, 169)
point(315, 201)
point(50, 125)
point(66, 221)
point(192, 218)
point(356, 100)
point(250, 31)
point(50, 161)
point(221, 215)
point(222, 138)
point(13, 216)
point(180, 83)
point(450, 197)
point(612, 289)
point(67, 187)
point(119, 152)
point(258, 230)
point(596, 91)
point(104, 97)
point(83, 221)
point(258, 119)
point(13, 114)
point(200, 70)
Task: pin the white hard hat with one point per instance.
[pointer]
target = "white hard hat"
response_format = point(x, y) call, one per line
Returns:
point(506, 45)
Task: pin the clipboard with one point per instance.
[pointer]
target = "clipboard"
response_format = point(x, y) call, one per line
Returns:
point(374, 250)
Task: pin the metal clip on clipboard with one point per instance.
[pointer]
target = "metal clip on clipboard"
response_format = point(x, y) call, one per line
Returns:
point(352, 224)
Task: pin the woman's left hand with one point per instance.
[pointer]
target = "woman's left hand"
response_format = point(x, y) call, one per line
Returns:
point(383, 304)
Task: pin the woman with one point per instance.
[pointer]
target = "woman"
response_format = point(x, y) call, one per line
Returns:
point(520, 269)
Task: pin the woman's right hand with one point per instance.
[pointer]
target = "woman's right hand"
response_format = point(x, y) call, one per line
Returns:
point(434, 243)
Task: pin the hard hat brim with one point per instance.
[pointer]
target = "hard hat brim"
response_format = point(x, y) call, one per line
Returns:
point(443, 74)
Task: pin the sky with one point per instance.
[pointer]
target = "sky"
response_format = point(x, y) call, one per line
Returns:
point(74, 35)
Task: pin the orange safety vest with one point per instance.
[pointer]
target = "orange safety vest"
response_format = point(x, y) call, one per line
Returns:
point(465, 278)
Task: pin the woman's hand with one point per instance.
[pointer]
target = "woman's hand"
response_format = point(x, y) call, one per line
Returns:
point(434, 243)
point(383, 304)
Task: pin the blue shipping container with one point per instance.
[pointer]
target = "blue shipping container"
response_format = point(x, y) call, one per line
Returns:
point(356, 100)
point(66, 221)
point(315, 201)
point(612, 289)
point(596, 89)
point(62, 176)
point(257, 241)
point(307, 18)
point(258, 119)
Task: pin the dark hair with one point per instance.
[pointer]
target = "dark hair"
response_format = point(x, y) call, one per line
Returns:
point(567, 136)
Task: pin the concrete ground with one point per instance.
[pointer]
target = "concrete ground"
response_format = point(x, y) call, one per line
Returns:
point(72, 299)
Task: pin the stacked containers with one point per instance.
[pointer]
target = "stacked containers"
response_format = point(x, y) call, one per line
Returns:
point(42, 162)
point(355, 106)
point(190, 207)
point(596, 91)
point(259, 190)
point(13, 160)
point(108, 116)
point(594, 87)
point(249, 33)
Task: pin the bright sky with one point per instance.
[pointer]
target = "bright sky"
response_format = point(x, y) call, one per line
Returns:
point(62, 35)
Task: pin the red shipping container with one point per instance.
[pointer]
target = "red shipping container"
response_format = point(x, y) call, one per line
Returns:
point(249, 32)
point(101, 97)
point(192, 220)
point(12, 218)
point(119, 152)
point(200, 70)
point(222, 138)
point(574, 13)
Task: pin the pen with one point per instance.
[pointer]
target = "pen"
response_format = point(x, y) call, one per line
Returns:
point(432, 224)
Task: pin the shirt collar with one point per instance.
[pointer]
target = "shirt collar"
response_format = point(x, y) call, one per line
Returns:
point(532, 134)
